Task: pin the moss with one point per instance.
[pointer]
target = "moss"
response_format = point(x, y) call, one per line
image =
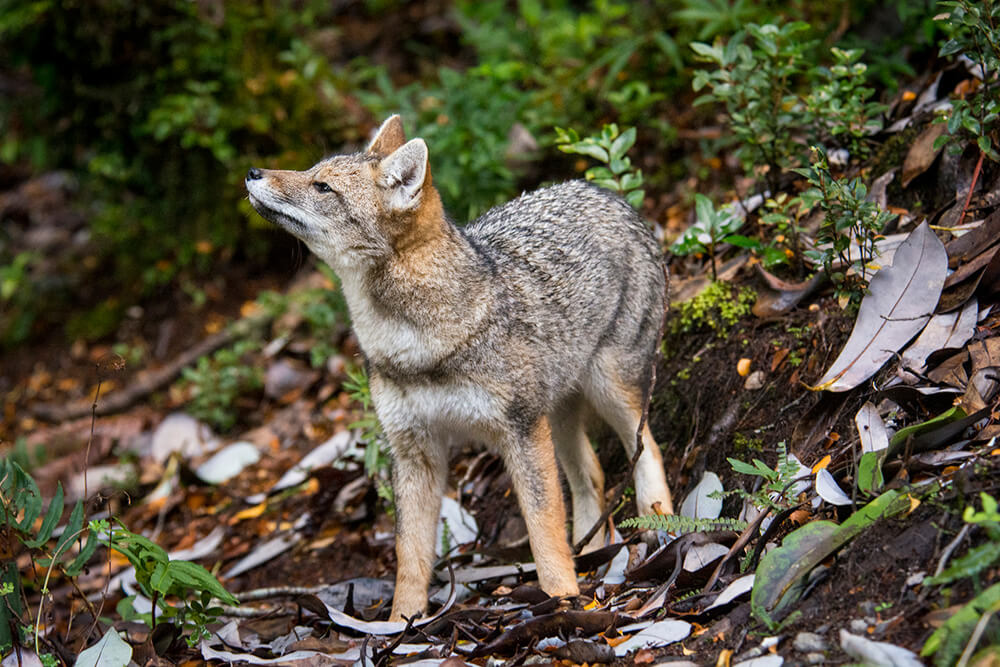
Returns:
point(718, 307)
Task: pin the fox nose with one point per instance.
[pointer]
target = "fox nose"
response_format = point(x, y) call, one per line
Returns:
point(254, 174)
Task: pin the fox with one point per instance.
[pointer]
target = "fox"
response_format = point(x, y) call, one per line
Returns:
point(512, 332)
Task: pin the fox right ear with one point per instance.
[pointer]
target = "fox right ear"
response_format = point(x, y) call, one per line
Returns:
point(401, 175)
point(389, 137)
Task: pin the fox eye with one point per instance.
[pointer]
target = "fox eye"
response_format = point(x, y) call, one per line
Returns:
point(322, 187)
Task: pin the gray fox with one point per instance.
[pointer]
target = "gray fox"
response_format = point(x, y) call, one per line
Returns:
point(509, 332)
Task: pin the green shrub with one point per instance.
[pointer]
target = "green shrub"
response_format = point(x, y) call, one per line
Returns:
point(216, 383)
point(610, 148)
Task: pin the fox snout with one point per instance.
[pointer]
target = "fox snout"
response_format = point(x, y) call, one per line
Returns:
point(254, 174)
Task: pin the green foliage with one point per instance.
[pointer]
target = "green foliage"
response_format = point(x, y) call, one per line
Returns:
point(165, 113)
point(758, 81)
point(973, 29)
point(610, 148)
point(978, 558)
point(718, 307)
point(160, 578)
point(947, 642)
point(778, 490)
point(465, 117)
point(784, 214)
point(18, 299)
point(679, 525)
point(839, 105)
point(216, 383)
point(376, 445)
point(712, 227)
point(849, 230)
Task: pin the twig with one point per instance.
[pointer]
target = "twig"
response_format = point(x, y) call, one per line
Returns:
point(146, 382)
point(741, 542)
point(609, 508)
point(972, 186)
point(948, 550)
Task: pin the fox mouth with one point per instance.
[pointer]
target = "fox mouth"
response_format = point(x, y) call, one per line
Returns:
point(277, 217)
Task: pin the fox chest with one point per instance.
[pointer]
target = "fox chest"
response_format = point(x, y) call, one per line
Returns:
point(449, 411)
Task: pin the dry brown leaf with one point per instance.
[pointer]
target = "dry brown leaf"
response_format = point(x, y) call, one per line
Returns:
point(922, 153)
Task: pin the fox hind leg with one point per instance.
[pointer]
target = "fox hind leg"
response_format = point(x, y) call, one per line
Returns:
point(581, 467)
point(620, 404)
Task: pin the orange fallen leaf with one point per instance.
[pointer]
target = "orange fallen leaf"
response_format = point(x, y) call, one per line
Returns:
point(821, 464)
point(743, 367)
point(248, 513)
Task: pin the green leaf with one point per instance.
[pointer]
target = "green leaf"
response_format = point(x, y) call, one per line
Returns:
point(195, 577)
point(49, 522)
point(870, 472)
point(741, 467)
point(623, 143)
point(635, 198)
point(984, 144)
point(703, 208)
point(783, 571)
point(86, 552)
point(73, 526)
point(741, 241)
point(971, 564)
point(952, 637)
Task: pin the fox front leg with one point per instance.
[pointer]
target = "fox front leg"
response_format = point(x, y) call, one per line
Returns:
point(419, 473)
point(531, 463)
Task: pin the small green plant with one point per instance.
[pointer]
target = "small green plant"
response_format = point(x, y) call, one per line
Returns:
point(679, 525)
point(18, 299)
point(758, 79)
point(376, 447)
point(216, 383)
point(780, 484)
point(183, 592)
point(973, 28)
point(755, 82)
point(718, 307)
point(848, 233)
point(377, 461)
point(712, 227)
point(840, 106)
point(610, 148)
point(948, 641)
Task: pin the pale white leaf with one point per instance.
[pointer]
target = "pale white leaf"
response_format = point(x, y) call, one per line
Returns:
point(871, 429)
point(263, 553)
point(944, 331)
point(881, 654)
point(110, 651)
point(324, 454)
point(900, 301)
point(770, 660)
point(228, 462)
point(698, 505)
point(462, 527)
point(658, 634)
point(701, 555)
point(180, 432)
point(828, 490)
point(736, 588)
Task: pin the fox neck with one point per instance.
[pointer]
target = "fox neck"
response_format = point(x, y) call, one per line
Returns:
point(423, 301)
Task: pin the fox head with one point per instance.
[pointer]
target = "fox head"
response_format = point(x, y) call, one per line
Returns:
point(353, 210)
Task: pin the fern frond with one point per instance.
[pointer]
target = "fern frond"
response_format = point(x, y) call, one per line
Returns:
point(674, 523)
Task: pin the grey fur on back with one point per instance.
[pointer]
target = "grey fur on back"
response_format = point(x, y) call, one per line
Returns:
point(576, 272)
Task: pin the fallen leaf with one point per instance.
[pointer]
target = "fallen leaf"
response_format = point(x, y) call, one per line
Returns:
point(821, 464)
point(736, 588)
point(922, 153)
point(698, 504)
point(658, 634)
point(945, 330)
point(871, 429)
point(898, 306)
point(828, 489)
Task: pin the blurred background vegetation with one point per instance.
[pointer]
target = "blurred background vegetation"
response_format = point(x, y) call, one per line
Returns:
point(153, 111)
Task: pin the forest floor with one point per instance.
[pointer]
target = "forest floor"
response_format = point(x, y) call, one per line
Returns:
point(299, 550)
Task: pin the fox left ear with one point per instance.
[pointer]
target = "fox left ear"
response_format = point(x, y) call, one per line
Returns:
point(402, 174)
point(389, 137)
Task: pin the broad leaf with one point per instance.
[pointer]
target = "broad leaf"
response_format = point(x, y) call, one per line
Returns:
point(901, 300)
point(49, 522)
point(110, 651)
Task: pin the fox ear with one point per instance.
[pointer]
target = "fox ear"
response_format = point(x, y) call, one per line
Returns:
point(389, 137)
point(402, 174)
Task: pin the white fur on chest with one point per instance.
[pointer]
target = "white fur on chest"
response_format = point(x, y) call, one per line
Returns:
point(450, 411)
